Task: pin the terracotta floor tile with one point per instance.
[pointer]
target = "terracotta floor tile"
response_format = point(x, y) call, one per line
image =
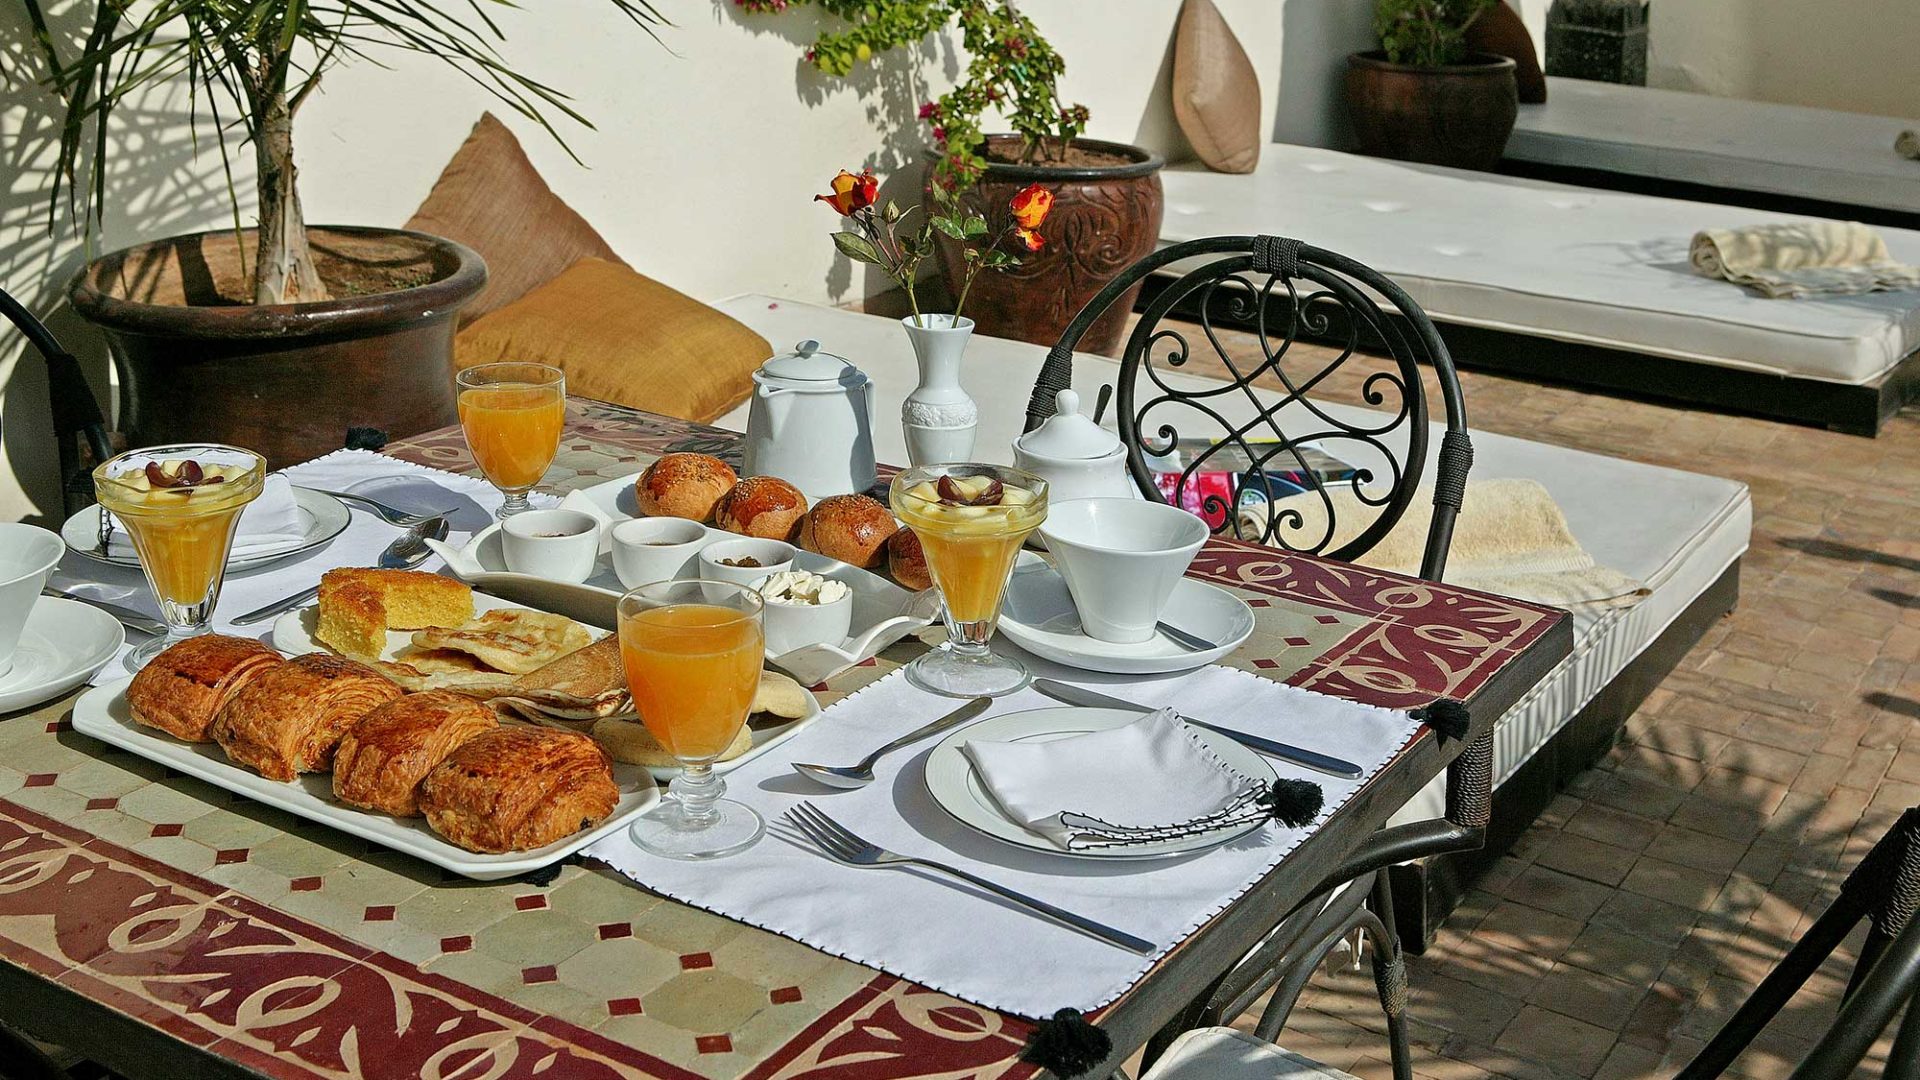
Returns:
point(1584, 858)
point(1584, 995)
point(1573, 1045)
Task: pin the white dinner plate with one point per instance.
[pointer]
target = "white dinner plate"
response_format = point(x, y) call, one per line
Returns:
point(1039, 616)
point(293, 635)
point(64, 644)
point(324, 516)
point(956, 787)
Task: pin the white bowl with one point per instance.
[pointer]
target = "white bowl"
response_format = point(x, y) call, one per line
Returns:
point(28, 555)
point(798, 626)
point(560, 545)
point(1121, 559)
point(772, 555)
point(657, 549)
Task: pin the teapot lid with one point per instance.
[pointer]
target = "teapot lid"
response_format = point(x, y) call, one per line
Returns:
point(806, 363)
point(1067, 434)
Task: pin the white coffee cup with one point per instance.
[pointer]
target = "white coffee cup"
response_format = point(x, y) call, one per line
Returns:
point(559, 545)
point(28, 555)
point(773, 556)
point(657, 549)
point(1121, 559)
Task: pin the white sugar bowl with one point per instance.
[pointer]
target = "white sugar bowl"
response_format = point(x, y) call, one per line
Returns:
point(1078, 458)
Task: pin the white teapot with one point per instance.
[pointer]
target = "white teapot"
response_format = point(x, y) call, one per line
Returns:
point(811, 423)
point(1078, 458)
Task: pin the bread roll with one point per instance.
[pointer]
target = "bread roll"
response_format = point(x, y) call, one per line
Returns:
point(851, 528)
point(907, 562)
point(763, 506)
point(684, 486)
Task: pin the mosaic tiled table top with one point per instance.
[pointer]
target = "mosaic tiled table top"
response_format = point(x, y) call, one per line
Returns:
point(294, 951)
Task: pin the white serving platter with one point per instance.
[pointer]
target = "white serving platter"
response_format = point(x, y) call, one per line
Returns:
point(883, 612)
point(325, 517)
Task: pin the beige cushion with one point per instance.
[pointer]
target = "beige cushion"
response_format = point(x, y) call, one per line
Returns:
point(623, 337)
point(1216, 95)
point(490, 198)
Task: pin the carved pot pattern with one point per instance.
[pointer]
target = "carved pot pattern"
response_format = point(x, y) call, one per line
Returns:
point(1104, 220)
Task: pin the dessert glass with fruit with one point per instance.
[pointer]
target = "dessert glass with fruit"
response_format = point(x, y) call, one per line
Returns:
point(971, 521)
point(511, 415)
point(180, 505)
point(692, 652)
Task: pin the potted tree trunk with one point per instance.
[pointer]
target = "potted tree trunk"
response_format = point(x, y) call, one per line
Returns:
point(278, 337)
point(1107, 199)
point(1423, 95)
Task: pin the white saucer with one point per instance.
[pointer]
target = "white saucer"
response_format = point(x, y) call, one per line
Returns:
point(325, 517)
point(64, 644)
point(1039, 617)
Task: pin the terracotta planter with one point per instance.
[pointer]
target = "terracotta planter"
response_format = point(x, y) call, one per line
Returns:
point(1105, 218)
point(1459, 115)
point(285, 380)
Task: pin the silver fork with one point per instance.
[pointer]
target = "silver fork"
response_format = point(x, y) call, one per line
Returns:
point(392, 515)
point(842, 846)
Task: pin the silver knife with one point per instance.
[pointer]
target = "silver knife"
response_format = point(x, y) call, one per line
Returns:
point(1333, 766)
point(128, 617)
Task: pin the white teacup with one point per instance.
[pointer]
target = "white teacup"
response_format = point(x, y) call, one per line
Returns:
point(559, 545)
point(772, 556)
point(657, 549)
point(28, 555)
point(1121, 559)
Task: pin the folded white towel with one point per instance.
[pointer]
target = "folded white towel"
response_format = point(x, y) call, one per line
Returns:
point(1907, 145)
point(272, 522)
point(1801, 259)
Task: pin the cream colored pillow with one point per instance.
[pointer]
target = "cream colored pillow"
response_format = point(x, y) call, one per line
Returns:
point(1216, 95)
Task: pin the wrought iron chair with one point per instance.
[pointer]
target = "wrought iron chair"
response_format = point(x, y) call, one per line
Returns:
point(77, 422)
point(1884, 890)
point(1288, 292)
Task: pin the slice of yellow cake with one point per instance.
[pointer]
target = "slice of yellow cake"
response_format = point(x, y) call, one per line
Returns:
point(358, 606)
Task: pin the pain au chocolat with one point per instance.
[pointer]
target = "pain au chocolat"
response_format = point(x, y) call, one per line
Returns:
point(519, 788)
point(290, 718)
point(383, 758)
point(181, 690)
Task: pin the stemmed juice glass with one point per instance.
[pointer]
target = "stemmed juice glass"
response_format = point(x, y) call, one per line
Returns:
point(971, 521)
point(180, 505)
point(512, 415)
point(692, 651)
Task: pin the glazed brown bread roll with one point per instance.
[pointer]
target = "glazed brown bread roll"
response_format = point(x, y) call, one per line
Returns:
point(383, 758)
point(907, 562)
point(183, 689)
point(851, 528)
point(518, 788)
point(763, 506)
point(684, 486)
point(290, 718)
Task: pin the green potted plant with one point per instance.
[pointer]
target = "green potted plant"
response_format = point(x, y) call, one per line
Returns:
point(280, 336)
point(1107, 195)
point(1423, 95)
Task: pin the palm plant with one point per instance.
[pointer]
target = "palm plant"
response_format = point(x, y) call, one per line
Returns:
point(251, 65)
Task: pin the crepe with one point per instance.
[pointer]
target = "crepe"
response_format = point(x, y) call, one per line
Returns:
point(445, 669)
point(513, 640)
point(624, 738)
point(580, 687)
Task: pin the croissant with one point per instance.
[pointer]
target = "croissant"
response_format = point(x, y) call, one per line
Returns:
point(518, 788)
point(382, 759)
point(181, 690)
point(289, 719)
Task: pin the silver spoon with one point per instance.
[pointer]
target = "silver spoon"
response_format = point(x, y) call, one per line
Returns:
point(860, 775)
point(407, 551)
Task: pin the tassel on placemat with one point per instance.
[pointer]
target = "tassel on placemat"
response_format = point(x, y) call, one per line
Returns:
point(1294, 803)
point(1448, 718)
point(366, 438)
point(1066, 1044)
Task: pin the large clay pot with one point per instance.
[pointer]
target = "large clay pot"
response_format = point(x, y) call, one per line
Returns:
point(283, 380)
point(1460, 115)
point(1105, 218)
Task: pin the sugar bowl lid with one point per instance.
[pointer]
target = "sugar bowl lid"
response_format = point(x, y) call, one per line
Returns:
point(806, 363)
point(1068, 435)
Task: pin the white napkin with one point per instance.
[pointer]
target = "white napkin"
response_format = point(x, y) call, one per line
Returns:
point(272, 522)
point(1152, 772)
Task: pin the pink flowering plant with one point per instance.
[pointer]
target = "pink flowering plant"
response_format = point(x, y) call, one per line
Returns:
point(1011, 69)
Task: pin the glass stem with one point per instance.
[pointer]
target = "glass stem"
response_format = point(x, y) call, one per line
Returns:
point(516, 502)
point(968, 639)
point(697, 790)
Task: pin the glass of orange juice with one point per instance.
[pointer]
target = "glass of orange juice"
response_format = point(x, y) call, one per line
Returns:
point(180, 505)
point(971, 521)
point(512, 415)
point(692, 650)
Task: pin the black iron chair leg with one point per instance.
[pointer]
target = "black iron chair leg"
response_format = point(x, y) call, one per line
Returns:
point(1877, 999)
point(1904, 1062)
point(1390, 976)
point(1301, 964)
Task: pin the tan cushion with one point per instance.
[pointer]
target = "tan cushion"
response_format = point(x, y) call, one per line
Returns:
point(490, 198)
point(623, 337)
point(1216, 95)
point(1499, 31)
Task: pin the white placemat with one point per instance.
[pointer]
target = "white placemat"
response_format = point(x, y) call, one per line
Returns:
point(934, 932)
point(473, 500)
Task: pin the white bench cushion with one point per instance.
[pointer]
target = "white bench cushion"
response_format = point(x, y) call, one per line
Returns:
point(1221, 1053)
point(1549, 260)
point(1723, 142)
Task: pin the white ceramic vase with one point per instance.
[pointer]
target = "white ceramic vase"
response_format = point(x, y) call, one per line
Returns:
point(939, 419)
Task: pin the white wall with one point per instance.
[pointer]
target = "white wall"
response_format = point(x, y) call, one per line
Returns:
point(700, 170)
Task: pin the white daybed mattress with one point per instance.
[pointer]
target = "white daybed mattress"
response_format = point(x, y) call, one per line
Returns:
point(1549, 260)
point(1792, 150)
point(1675, 531)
